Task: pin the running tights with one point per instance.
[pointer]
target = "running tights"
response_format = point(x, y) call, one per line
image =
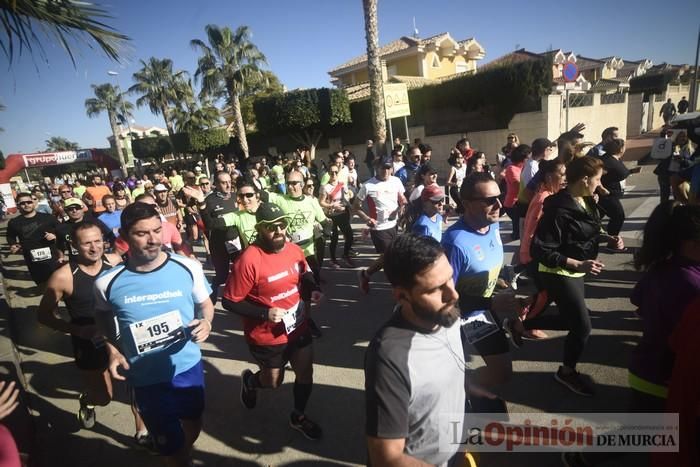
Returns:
point(341, 222)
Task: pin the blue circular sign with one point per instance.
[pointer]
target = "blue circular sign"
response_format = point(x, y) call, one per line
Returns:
point(570, 72)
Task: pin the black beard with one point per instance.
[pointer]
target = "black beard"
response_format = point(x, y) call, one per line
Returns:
point(273, 245)
point(445, 316)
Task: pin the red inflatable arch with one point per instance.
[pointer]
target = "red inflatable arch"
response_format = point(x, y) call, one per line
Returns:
point(16, 162)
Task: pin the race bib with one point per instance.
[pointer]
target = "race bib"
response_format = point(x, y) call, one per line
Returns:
point(478, 325)
point(293, 318)
point(301, 235)
point(157, 332)
point(233, 246)
point(40, 254)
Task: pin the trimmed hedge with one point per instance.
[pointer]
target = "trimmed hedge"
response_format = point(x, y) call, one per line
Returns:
point(302, 110)
point(201, 142)
point(154, 147)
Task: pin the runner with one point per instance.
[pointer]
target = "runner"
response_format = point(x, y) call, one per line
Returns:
point(243, 221)
point(334, 197)
point(111, 217)
point(76, 214)
point(153, 332)
point(222, 245)
point(272, 288)
point(474, 249)
point(429, 223)
point(385, 198)
point(303, 213)
point(414, 366)
point(73, 283)
point(34, 233)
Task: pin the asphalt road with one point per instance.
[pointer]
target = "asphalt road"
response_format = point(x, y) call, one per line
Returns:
point(233, 435)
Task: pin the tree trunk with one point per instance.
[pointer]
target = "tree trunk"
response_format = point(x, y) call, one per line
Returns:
point(376, 82)
point(238, 123)
point(168, 121)
point(117, 144)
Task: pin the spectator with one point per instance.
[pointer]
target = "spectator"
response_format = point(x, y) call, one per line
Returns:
point(683, 105)
point(369, 158)
point(668, 111)
point(608, 134)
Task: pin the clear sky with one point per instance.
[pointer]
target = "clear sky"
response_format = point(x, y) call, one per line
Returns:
point(303, 39)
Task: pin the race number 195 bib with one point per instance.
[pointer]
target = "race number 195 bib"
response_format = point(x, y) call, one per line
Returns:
point(478, 325)
point(40, 254)
point(157, 332)
point(293, 318)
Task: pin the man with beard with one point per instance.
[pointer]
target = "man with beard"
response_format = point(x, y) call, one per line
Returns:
point(272, 288)
point(155, 310)
point(414, 366)
point(34, 233)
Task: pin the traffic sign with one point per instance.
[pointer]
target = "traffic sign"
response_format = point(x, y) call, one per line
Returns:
point(570, 72)
point(396, 100)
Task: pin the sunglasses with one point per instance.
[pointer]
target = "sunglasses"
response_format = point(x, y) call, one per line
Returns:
point(245, 195)
point(274, 227)
point(294, 182)
point(333, 172)
point(309, 185)
point(440, 201)
point(65, 191)
point(204, 183)
point(22, 203)
point(73, 208)
point(489, 200)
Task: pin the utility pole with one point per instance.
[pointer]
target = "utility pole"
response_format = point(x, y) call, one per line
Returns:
point(694, 83)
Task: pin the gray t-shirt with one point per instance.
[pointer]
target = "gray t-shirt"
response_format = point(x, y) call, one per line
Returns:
point(411, 377)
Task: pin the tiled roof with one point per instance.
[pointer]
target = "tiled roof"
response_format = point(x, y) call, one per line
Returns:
point(585, 63)
point(520, 55)
point(607, 85)
point(391, 47)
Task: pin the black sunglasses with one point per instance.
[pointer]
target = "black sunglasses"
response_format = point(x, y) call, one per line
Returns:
point(275, 226)
point(246, 195)
point(73, 208)
point(22, 203)
point(489, 200)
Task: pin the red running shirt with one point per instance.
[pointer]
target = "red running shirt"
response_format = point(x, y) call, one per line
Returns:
point(269, 280)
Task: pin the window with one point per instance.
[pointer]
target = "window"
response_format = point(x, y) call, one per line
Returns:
point(391, 70)
point(436, 62)
point(461, 67)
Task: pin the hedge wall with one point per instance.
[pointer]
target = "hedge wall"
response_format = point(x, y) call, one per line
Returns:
point(302, 110)
point(153, 147)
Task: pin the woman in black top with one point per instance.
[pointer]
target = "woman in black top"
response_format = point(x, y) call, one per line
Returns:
point(615, 173)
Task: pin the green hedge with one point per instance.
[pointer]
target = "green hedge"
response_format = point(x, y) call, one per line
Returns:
point(154, 147)
point(201, 142)
point(302, 110)
point(651, 83)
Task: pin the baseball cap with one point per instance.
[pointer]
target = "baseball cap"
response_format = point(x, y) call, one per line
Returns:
point(160, 187)
point(197, 169)
point(385, 161)
point(540, 144)
point(433, 193)
point(73, 202)
point(268, 213)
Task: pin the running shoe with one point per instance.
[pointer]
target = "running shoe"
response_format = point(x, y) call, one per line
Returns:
point(86, 413)
point(363, 281)
point(353, 253)
point(314, 329)
point(306, 427)
point(575, 382)
point(513, 334)
point(249, 396)
point(334, 264)
point(145, 441)
point(349, 262)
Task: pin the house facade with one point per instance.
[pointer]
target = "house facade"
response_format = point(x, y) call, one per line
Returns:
point(429, 59)
point(127, 134)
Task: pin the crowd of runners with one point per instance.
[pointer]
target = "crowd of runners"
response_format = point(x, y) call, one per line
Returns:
point(120, 256)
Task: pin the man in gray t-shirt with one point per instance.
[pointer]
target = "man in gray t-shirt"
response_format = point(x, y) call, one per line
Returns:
point(414, 366)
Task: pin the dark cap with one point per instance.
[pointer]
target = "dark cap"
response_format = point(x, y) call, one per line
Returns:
point(427, 169)
point(268, 213)
point(385, 161)
point(540, 144)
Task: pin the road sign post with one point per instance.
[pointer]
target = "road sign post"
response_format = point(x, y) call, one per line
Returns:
point(570, 75)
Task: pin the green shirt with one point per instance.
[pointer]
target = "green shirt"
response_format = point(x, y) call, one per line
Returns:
point(244, 223)
point(277, 173)
point(303, 214)
point(79, 191)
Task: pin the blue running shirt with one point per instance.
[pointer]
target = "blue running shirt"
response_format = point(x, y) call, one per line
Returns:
point(151, 311)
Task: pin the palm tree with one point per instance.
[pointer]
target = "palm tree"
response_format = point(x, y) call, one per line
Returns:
point(224, 67)
point(67, 20)
point(195, 118)
point(59, 143)
point(376, 82)
point(2, 109)
point(155, 81)
point(110, 99)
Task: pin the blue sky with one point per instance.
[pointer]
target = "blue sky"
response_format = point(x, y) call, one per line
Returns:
point(304, 39)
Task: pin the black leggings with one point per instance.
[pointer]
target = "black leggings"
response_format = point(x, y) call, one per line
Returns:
point(341, 222)
point(454, 193)
point(613, 208)
point(567, 293)
point(514, 215)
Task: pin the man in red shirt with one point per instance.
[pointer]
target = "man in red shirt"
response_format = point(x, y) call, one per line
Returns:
point(272, 287)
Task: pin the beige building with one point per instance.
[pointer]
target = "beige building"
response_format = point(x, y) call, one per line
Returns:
point(127, 134)
point(429, 59)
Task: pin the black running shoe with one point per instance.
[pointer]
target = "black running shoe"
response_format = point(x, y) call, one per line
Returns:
point(306, 427)
point(575, 382)
point(249, 396)
point(86, 413)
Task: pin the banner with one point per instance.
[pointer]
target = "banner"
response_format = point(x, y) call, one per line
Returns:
point(56, 158)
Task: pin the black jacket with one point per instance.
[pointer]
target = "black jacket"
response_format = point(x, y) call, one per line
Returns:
point(566, 230)
point(615, 172)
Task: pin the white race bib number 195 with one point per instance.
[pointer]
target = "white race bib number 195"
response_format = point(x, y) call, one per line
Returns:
point(157, 332)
